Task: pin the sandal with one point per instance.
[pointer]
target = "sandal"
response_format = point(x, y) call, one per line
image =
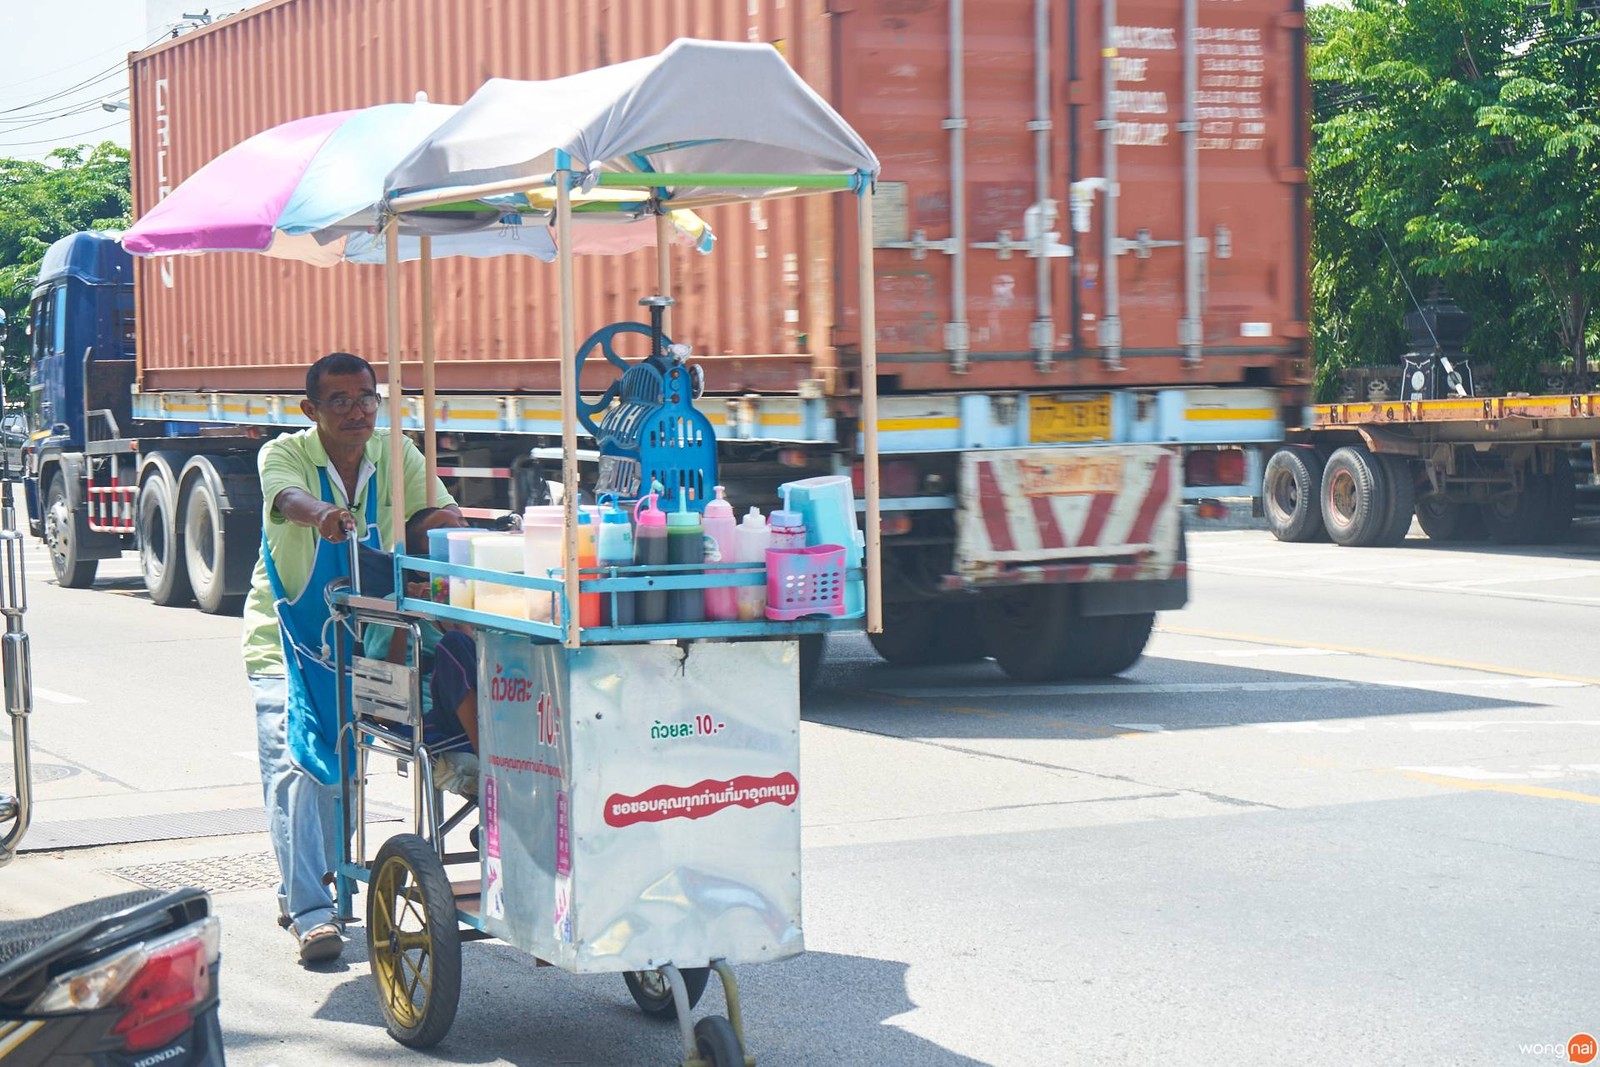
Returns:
point(321, 943)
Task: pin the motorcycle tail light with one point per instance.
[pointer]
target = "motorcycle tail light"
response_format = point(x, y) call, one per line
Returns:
point(157, 985)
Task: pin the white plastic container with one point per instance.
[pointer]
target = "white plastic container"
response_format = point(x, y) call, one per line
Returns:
point(752, 538)
point(542, 529)
point(499, 552)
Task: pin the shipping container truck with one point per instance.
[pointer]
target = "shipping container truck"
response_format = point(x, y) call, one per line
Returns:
point(1091, 238)
point(1466, 468)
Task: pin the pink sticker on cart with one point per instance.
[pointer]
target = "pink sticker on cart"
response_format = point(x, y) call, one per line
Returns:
point(491, 816)
point(563, 836)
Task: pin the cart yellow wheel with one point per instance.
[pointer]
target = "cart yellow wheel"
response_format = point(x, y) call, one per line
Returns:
point(716, 1042)
point(413, 941)
point(653, 994)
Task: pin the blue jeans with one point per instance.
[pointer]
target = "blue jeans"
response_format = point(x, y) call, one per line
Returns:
point(300, 816)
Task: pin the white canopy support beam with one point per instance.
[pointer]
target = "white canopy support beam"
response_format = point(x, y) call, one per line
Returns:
point(397, 400)
point(869, 410)
point(569, 407)
point(430, 443)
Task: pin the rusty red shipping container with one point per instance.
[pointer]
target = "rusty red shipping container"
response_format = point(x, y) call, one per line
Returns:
point(1205, 147)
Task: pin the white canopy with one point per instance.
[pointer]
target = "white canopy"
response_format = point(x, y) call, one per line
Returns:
point(698, 107)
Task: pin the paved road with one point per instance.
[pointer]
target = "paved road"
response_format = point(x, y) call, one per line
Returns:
point(1344, 812)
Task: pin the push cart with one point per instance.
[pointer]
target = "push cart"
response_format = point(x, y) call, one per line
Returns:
point(640, 785)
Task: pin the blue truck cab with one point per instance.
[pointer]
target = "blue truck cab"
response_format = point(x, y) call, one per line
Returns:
point(100, 481)
point(81, 352)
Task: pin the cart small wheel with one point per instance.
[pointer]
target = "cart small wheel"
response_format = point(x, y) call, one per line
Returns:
point(653, 994)
point(716, 1042)
point(413, 941)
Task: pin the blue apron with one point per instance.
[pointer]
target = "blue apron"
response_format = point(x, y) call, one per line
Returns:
point(303, 622)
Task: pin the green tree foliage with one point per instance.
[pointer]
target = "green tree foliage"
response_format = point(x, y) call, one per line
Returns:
point(72, 189)
point(1456, 141)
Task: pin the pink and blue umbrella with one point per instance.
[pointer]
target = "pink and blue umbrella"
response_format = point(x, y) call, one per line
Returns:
point(308, 190)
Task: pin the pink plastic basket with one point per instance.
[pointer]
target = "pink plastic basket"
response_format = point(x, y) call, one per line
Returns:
point(805, 581)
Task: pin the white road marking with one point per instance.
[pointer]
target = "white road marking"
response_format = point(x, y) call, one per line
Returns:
point(1469, 726)
point(50, 696)
point(1420, 587)
point(1478, 775)
point(1308, 685)
point(1252, 652)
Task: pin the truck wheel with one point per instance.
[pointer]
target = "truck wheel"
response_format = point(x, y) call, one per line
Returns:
point(1563, 504)
point(1027, 631)
point(1354, 497)
point(161, 542)
point(208, 551)
point(1290, 490)
point(63, 533)
point(1448, 520)
point(813, 650)
point(1518, 518)
point(1108, 644)
point(1401, 477)
point(920, 633)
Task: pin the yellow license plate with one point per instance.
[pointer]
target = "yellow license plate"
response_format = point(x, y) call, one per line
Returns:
point(1069, 419)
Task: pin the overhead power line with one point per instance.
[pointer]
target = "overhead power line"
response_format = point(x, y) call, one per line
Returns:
point(60, 140)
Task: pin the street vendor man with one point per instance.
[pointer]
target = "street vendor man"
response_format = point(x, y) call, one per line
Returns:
point(318, 487)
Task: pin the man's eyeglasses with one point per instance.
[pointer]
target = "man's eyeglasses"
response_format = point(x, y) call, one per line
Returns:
point(341, 404)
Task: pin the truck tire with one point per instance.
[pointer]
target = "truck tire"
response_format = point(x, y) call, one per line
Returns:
point(922, 633)
point(213, 550)
point(1401, 478)
point(1290, 490)
point(1562, 506)
point(1027, 631)
point(1518, 518)
point(1450, 521)
point(63, 535)
point(813, 650)
point(1109, 644)
point(161, 559)
point(1037, 634)
point(1355, 505)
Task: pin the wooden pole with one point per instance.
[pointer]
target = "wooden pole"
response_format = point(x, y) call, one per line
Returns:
point(397, 403)
point(664, 266)
point(569, 406)
point(430, 443)
point(869, 411)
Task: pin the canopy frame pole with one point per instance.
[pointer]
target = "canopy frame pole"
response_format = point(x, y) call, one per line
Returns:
point(569, 401)
point(463, 194)
point(397, 400)
point(430, 441)
point(869, 409)
point(664, 266)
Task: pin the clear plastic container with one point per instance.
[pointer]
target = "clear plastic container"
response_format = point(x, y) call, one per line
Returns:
point(461, 589)
point(500, 552)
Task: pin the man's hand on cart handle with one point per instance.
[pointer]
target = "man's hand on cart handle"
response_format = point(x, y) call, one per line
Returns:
point(335, 523)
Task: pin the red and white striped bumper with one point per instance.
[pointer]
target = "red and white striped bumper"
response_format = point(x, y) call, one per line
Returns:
point(1099, 513)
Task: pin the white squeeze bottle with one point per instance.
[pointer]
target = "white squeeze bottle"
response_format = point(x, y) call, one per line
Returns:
point(721, 532)
point(753, 538)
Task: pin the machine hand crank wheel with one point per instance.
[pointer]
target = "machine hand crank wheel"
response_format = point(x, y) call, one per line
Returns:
point(602, 339)
point(413, 941)
point(653, 993)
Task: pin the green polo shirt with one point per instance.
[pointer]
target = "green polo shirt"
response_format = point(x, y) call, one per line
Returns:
point(291, 462)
